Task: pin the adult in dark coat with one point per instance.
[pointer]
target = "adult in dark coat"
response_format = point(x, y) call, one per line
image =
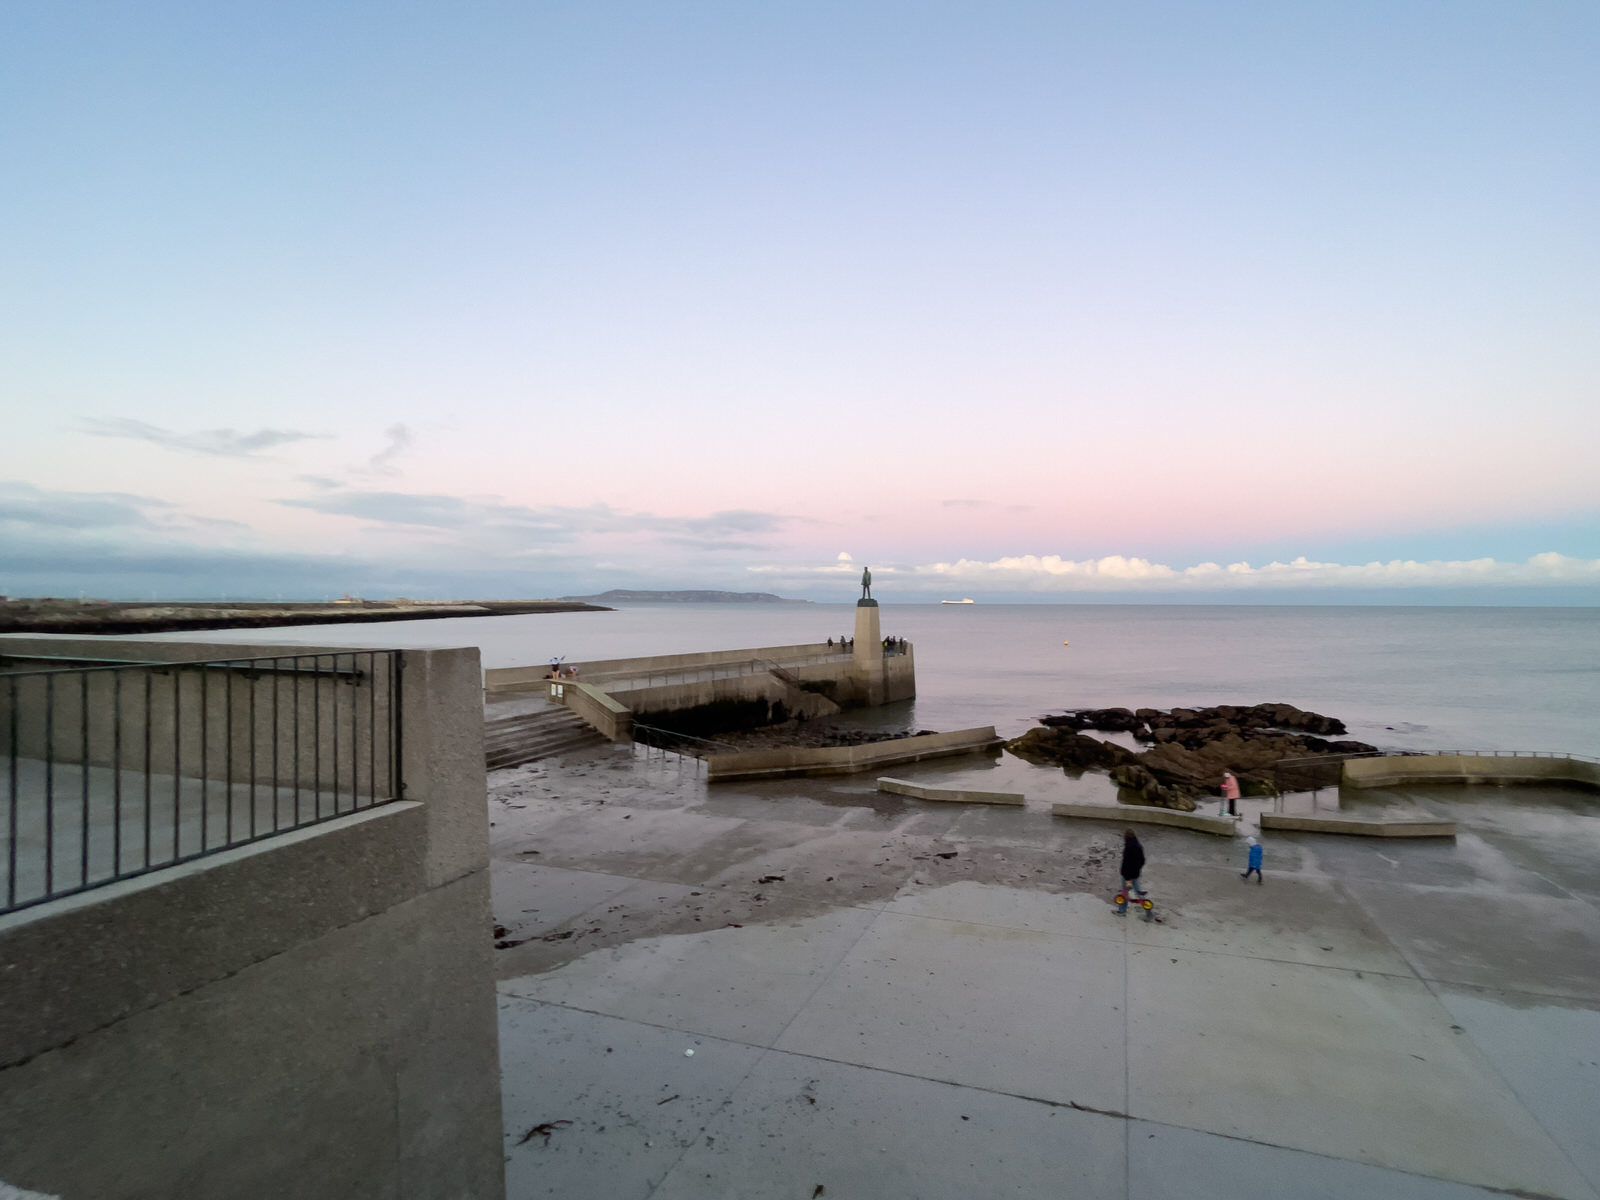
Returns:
point(1132, 866)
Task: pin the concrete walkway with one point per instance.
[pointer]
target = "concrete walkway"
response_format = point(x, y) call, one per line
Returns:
point(891, 998)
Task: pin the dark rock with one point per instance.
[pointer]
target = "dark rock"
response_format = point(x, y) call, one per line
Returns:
point(1190, 748)
point(1107, 720)
point(1066, 748)
point(1139, 786)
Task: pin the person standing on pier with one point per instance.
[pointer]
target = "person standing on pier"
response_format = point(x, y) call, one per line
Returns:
point(1230, 794)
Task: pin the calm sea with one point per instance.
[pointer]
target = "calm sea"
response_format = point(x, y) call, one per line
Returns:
point(1402, 678)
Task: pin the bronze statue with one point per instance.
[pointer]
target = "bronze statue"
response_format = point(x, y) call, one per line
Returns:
point(866, 583)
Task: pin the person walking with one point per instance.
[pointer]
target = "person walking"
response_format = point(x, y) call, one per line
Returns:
point(1132, 867)
point(1253, 865)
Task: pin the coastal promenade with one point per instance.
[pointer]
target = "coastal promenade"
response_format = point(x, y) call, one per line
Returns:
point(890, 997)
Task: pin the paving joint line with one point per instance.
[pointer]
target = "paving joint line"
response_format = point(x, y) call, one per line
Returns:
point(1429, 985)
point(1126, 1116)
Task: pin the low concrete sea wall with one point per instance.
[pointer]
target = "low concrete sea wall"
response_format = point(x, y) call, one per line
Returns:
point(1355, 827)
point(846, 760)
point(904, 787)
point(1139, 814)
point(1469, 768)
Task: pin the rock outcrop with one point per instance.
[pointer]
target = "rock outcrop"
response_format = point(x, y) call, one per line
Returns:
point(1189, 748)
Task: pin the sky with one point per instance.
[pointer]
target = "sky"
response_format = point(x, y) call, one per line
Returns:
point(1156, 300)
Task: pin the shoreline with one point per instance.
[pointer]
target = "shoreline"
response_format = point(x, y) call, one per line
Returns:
point(126, 617)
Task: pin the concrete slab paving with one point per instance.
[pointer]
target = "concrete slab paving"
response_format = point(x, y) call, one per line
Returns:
point(1549, 1054)
point(634, 1100)
point(1289, 918)
point(639, 905)
point(1340, 1063)
point(1466, 862)
point(797, 1124)
point(1012, 1010)
point(531, 899)
point(745, 985)
point(621, 840)
point(1543, 944)
point(1010, 908)
point(1170, 1163)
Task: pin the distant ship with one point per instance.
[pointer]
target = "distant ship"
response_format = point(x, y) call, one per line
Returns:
point(955, 602)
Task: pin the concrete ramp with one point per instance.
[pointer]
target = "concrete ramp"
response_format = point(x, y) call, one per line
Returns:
point(1139, 814)
point(904, 787)
point(1406, 828)
point(847, 760)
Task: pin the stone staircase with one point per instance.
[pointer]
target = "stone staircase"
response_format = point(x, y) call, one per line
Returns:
point(512, 741)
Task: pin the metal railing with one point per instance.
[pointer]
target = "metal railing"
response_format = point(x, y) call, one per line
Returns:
point(629, 680)
point(115, 770)
point(1315, 772)
point(1490, 754)
point(682, 743)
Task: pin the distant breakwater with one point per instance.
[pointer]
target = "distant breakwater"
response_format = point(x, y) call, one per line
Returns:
point(103, 617)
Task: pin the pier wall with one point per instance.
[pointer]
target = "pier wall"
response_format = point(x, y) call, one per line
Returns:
point(762, 689)
point(808, 680)
point(511, 679)
point(1469, 768)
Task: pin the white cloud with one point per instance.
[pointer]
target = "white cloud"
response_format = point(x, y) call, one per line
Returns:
point(222, 443)
point(844, 557)
point(397, 440)
point(1052, 573)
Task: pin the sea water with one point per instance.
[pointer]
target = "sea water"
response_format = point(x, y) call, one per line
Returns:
point(1400, 678)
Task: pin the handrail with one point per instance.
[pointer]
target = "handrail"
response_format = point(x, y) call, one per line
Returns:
point(255, 664)
point(688, 737)
point(108, 772)
point(1323, 758)
point(1314, 772)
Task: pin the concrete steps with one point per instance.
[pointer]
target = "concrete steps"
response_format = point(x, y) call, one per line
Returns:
point(512, 741)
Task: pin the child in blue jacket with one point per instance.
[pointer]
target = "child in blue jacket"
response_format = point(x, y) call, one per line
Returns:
point(1254, 865)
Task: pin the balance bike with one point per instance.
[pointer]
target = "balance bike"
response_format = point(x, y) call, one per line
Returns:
point(1143, 902)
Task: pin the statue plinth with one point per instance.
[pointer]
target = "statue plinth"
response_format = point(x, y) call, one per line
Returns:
point(869, 638)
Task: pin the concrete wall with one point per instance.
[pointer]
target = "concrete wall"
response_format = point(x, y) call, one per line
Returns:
point(601, 711)
point(904, 787)
point(1358, 828)
point(867, 640)
point(765, 688)
point(502, 679)
point(844, 760)
point(1468, 768)
point(309, 1016)
point(1138, 814)
point(876, 679)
